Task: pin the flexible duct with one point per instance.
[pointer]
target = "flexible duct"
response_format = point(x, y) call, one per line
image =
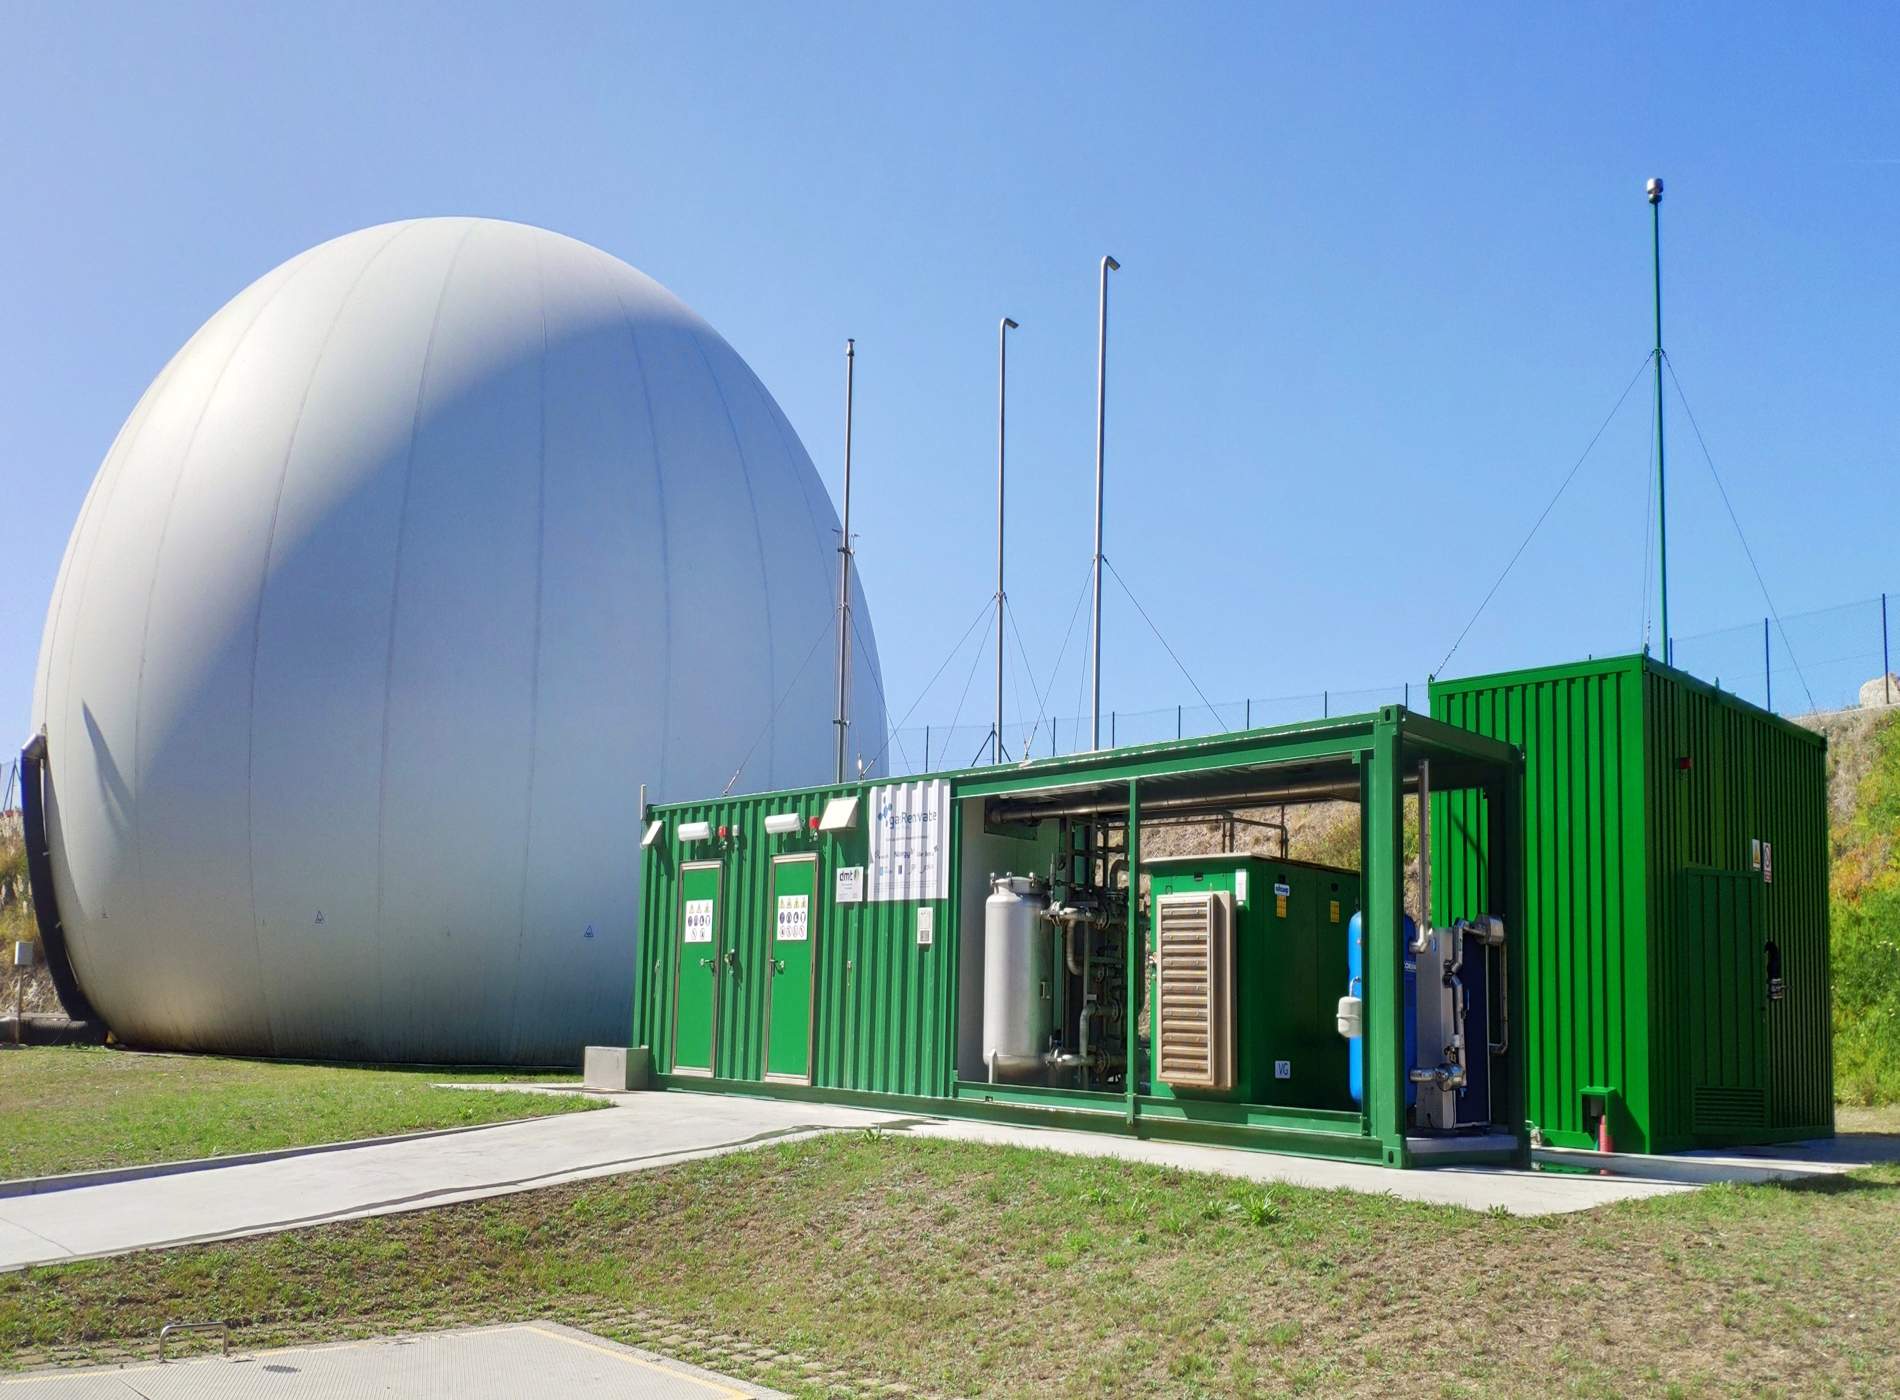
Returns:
point(39, 875)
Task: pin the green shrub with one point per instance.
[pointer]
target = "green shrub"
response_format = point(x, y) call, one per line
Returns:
point(1865, 912)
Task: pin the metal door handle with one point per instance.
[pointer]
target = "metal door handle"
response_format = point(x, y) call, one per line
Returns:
point(731, 959)
point(705, 962)
point(777, 965)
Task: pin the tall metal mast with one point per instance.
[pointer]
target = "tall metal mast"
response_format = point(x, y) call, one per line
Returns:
point(844, 569)
point(1003, 328)
point(1101, 388)
point(1662, 492)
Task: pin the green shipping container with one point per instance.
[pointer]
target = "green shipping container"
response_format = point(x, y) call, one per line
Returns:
point(1676, 887)
point(832, 944)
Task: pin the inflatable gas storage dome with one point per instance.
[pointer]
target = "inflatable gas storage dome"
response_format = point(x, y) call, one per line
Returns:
point(409, 569)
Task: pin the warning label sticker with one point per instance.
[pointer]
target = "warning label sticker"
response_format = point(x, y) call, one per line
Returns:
point(698, 921)
point(794, 915)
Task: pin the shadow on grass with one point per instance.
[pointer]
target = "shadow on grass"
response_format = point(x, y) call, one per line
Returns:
point(1843, 1185)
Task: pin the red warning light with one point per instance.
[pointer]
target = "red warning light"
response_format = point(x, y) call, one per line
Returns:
point(724, 832)
point(814, 823)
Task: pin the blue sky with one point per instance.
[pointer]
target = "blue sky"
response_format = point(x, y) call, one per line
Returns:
point(1384, 271)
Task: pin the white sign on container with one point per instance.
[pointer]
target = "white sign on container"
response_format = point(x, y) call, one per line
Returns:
point(698, 921)
point(909, 859)
point(926, 925)
point(794, 912)
point(847, 886)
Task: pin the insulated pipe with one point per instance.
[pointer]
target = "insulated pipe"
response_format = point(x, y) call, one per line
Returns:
point(39, 876)
point(1503, 1042)
point(1022, 809)
point(1068, 951)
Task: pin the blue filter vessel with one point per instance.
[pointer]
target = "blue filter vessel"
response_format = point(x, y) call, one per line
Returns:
point(1356, 986)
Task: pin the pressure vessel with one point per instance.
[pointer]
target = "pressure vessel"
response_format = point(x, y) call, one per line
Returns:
point(1018, 1008)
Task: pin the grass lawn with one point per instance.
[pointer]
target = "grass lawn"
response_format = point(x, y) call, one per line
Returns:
point(71, 1108)
point(1851, 1118)
point(964, 1269)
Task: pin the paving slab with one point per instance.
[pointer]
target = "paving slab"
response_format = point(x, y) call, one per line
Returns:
point(484, 1363)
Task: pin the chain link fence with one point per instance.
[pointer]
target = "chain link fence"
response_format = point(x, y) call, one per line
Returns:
point(1811, 662)
point(935, 748)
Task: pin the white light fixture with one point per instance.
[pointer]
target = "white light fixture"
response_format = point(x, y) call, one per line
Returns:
point(654, 831)
point(841, 814)
point(695, 831)
point(782, 823)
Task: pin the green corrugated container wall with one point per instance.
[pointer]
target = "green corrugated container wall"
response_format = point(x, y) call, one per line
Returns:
point(885, 1008)
point(1650, 798)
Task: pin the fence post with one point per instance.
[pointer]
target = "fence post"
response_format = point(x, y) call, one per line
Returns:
point(1886, 667)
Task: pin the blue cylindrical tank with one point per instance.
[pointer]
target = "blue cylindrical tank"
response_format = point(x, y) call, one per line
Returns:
point(1356, 986)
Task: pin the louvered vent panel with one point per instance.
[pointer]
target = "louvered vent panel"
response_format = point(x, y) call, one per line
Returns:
point(1724, 1110)
point(1194, 962)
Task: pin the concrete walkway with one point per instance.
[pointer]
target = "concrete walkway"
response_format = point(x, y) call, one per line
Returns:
point(640, 1132)
point(485, 1363)
point(1477, 1188)
point(384, 1178)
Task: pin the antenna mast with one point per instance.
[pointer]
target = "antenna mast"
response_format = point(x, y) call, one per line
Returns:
point(1003, 328)
point(844, 568)
point(1101, 388)
point(1655, 190)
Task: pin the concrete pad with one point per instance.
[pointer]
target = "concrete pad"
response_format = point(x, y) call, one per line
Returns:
point(1849, 1149)
point(1700, 1168)
point(486, 1363)
point(1476, 1188)
point(384, 1178)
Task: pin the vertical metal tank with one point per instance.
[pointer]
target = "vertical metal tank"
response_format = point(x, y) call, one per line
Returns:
point(1356, 987)
point(1018, 1007)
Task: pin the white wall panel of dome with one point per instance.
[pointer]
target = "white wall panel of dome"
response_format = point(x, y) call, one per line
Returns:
point(417, 560)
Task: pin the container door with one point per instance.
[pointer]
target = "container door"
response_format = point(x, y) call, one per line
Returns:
point(1726, 1005)
point(788, 973)
point(696, 977)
